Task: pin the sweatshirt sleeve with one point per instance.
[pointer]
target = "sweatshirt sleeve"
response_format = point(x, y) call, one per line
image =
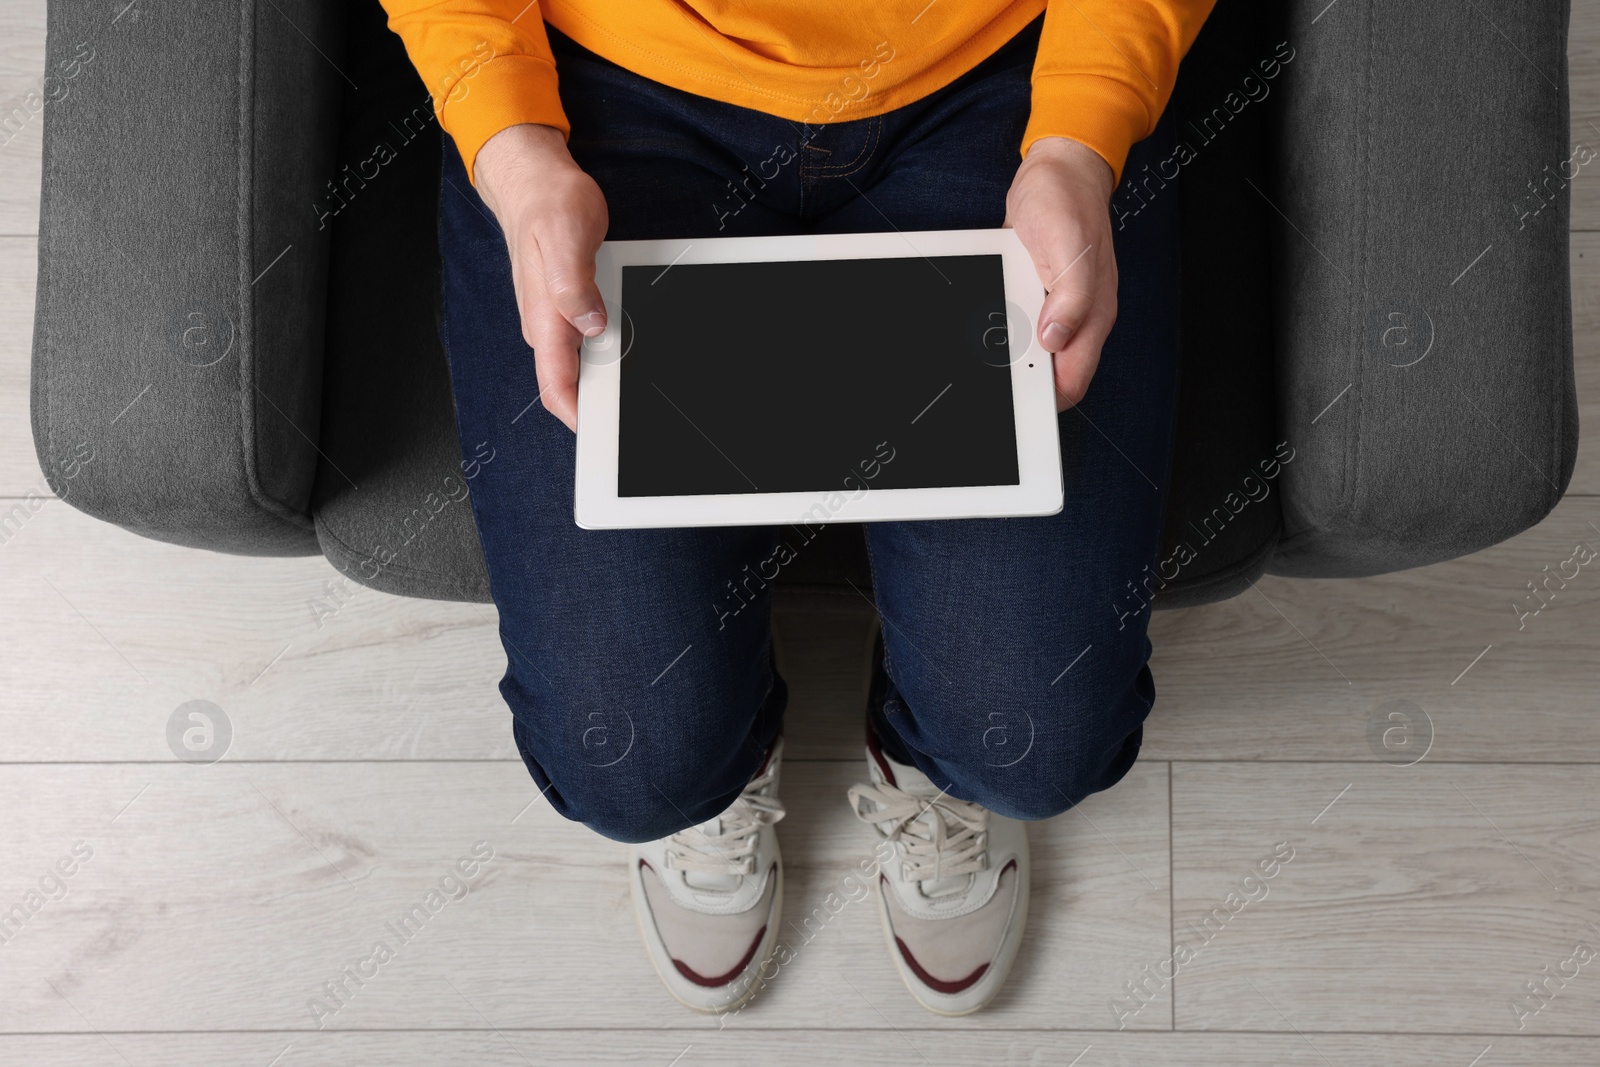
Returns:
point(486, 63)
point(1105, 70)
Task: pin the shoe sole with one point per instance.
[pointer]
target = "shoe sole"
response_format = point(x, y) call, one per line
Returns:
point(663, 964)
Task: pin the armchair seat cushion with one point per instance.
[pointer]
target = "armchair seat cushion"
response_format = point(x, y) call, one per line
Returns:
point(391, 503)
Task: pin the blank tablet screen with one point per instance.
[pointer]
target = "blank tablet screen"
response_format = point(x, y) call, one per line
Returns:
point(810, 376)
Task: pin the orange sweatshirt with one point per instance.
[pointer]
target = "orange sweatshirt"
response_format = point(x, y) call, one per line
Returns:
point(1104, 72)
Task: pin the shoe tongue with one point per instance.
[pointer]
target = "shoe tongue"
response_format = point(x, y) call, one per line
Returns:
point(936, 889)
point(912, 782)
point(707, 881)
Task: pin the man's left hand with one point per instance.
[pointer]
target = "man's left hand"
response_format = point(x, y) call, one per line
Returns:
point(1059, 204)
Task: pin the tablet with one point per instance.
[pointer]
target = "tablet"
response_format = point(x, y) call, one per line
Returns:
point(810, 379)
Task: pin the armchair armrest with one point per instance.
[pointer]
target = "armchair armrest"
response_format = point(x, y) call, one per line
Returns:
point(1424, 324)
point(182, 266)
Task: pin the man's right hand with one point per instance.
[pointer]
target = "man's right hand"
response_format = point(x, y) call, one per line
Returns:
point(554, 217)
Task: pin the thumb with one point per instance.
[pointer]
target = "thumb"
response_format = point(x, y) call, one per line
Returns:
point(1070, 285)
point(569, 282)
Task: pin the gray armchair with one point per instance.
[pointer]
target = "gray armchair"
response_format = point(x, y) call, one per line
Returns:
point(237, 305)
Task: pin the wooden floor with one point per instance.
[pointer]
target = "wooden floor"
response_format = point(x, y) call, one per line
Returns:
point(209, 905)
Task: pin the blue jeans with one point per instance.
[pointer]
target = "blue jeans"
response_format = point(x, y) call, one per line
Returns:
point(1015, 655)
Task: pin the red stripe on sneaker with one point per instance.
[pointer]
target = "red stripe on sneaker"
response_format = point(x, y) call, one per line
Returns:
point(766, 758)
point(936, 984)
point(723, 979)
point(877, 755)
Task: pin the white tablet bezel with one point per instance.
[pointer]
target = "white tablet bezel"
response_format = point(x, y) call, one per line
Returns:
point(1039, 488)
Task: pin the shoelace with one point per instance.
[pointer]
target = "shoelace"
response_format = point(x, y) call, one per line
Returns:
point(731, 850)
point(952, 845)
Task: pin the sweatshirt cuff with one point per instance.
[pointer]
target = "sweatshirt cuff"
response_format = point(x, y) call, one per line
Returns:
point(504, 92)
point(1100, 112)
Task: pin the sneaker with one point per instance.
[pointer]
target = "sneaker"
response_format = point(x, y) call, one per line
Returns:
point(707, 898)
point(953, 896)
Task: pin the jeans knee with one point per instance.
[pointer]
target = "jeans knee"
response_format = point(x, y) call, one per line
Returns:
point(635, 811)
point(1034, 759)
point(1056, 782)
point(601, 765)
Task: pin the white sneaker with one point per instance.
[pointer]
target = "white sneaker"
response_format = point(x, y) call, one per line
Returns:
point(707, 898)
point(953, 897)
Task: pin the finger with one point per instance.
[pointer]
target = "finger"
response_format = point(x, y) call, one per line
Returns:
point(566, 251)
point(1065, 310)
point(553, 339)
point(555, 360)
point(1075, 366)
point(1068, 266)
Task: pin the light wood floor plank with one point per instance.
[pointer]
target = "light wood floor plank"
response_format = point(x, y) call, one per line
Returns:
point(1583, 78)
point(1585, 260)
point(20, 474)
point(790, 1048)
point(1417, 899)
point(1300, 669)
point(21, 141)
point(304, 664)
point(224, 897)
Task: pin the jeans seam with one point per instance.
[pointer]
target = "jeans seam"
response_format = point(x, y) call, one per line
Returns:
point(872, 571)
point(869, 147)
